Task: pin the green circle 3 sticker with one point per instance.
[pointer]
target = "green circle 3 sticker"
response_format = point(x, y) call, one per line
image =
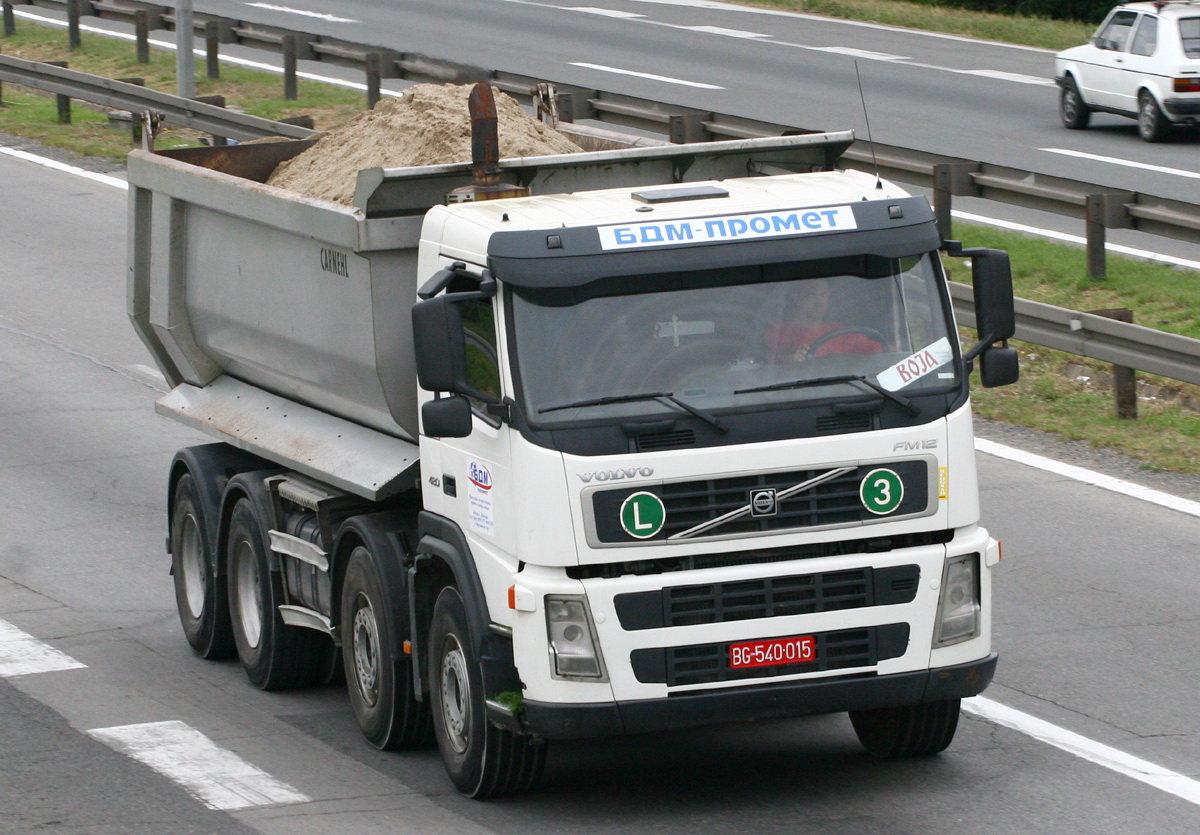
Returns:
point(881, 491)
point(642, 515)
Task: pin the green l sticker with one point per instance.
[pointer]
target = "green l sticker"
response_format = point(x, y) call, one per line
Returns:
point(642, 515)
point(881, 491)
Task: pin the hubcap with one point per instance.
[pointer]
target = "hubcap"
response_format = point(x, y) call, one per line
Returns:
point(456, 694)
point(366, 652)
point(192, 565)
point(249, 594)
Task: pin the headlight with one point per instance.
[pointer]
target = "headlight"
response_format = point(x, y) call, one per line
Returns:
point(958, 606)
point(573, 649)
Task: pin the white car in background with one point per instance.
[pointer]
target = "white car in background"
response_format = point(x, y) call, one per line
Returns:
point(1144, 62)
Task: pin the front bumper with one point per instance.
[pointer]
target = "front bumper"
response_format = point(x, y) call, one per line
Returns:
point(794, 698)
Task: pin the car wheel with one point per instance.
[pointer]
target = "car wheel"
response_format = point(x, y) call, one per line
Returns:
point(1152, 124)
point(1071, 108)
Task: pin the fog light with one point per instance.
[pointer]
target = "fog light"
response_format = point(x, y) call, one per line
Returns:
point(958, 606)
point(573, 648)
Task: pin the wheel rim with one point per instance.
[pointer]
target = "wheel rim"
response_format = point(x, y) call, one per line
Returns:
point(365, 637)
point(249, 594)
point(456, 694)
point(193, 570)
point(1148, 115)
point(1070, 105)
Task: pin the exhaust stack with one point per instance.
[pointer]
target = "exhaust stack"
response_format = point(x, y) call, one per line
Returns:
point(485, 152)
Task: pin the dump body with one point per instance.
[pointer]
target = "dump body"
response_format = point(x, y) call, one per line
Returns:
point(255, 299)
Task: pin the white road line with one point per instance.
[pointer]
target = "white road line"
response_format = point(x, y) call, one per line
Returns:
point(858, 53)
point(1144, 254)
point(21, 654)
point(288, 10)
point(1009, 76)
point(1178, 172)
point(115, 182)
point(1106, 482)
point(1127, 765)
point(218, 777)
point(651, 76)
point(719, 30)
point(602, 12)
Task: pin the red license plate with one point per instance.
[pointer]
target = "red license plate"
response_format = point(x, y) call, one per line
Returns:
point(773, 652)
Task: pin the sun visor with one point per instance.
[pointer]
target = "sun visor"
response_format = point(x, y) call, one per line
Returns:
point(571, 257)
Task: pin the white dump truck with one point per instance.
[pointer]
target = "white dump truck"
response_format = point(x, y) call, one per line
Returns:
point(575, 463)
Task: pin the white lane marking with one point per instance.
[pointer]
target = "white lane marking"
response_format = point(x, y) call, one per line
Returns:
point(1145, 166)
point(21, 654)
point(1009, 76)
point(329, 17)
point(602, 12)
point(218, 777)
point(720, 30)
point(1106, 482)
point(1143, 254)
point(858, 53)
point(651, 76)
point(115, 182)
point(1151, 774)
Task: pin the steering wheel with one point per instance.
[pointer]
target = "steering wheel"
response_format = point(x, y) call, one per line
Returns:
point(870, 333)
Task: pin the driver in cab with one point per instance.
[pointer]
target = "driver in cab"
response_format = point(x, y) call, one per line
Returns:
point(807, 332)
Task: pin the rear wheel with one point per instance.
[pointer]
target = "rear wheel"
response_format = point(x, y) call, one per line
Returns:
point(200, 593)
point(481, 759)
point(1152, 123)
point(1074, 113)
point(910, 731)
point(274, 655)
point(381, 688)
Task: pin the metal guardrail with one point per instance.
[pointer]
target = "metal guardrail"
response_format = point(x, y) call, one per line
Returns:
point(1082, 334)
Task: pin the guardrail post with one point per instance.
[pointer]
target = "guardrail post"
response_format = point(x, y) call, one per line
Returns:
point(1124, 379)
point(212, 49)
point(10, 20)
point(141, 31)
point(135, 119)
point(291, 49)
point(1104, 211)
point(949, 179)
point(374, 70)
point(63, 102)
point(686, 127)
point(73, 36)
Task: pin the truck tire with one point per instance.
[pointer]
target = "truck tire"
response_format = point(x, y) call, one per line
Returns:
point(1071, 108)
point(910, 731)
point(481, 759)
point(1152, 123)
point(200, 595)
point(274, 655)
point(380, 686)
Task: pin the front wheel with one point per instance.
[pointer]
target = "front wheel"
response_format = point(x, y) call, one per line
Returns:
point(1152, 123)
point(381, 688)
point(481, 759)
point(1071, 109)
point(910, 731)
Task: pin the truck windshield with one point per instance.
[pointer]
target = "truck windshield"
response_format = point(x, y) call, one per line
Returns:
point(736, 340)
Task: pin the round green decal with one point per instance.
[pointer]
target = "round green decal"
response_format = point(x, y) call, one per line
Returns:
point(642, 515)
point(881, 491)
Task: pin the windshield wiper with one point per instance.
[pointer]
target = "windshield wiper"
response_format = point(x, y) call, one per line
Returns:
point(903, 402)
point(710, 419)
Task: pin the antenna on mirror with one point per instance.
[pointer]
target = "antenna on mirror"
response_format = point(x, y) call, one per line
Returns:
point(870, 141)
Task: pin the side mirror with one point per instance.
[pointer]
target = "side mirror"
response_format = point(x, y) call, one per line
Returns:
point(991, 276)
point(447, 417)
point(439, 345)
point(999, 367)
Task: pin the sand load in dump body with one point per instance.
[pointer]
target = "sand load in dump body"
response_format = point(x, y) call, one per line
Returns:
point(283, 322)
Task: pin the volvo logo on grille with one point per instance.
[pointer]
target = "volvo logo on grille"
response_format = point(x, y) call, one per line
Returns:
point(763, 502)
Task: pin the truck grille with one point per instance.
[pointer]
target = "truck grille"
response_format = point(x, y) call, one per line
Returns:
point(691, 505)
point(707, 663)
point(769, 597)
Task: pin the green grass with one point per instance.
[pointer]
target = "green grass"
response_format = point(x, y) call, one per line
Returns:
point(1030, 31)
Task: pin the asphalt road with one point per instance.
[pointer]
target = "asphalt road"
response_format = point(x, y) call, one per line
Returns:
point(1094, 620)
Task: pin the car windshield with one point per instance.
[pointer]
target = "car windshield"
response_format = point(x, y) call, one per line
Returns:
point(780, 336)
point(1189, 31)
